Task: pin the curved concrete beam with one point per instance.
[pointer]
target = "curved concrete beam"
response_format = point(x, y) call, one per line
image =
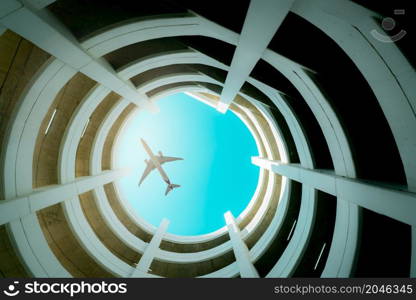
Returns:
point(29, 242)
point(386, 70)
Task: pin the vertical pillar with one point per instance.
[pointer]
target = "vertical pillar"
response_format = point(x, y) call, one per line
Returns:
point(241, 252)
point(262, 21)
point(38, 26)
point(150, 252)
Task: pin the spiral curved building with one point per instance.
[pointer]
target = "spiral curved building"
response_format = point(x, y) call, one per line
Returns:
point(327, 89)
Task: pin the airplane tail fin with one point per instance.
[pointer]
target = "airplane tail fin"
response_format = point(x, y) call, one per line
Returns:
point(170, 187)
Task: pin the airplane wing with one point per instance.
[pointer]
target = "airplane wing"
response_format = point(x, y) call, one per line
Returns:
point(149, 168)
point(164, 159)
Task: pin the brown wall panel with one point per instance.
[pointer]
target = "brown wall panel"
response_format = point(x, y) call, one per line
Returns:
point(45, 158)
point(19, 62)
point(123, 216)
point(83, 155)
point(270, 213)
point(176, 270)
point(109, 142)
point(194, 247)
point(10, 265)
point(65, 245)
point(104, 233)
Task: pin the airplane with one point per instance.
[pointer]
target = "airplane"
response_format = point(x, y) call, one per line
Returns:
point(156, 162)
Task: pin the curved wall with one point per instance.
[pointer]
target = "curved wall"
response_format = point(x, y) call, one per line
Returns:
point(322, 197)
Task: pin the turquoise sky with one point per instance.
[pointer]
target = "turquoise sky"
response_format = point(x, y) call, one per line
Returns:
point(216, 174)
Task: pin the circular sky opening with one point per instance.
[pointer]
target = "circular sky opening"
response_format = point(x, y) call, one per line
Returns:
point(215, 176)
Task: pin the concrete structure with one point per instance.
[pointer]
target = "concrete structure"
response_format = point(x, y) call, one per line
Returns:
point(241, 252)
point(330, 105)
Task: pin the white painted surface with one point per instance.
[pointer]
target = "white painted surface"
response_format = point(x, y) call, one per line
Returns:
point(91, 243)
point(139, 31)
point(166, 58)
point(184, 57)
point(199, 238)
point(21, 134)
point(102, 132)
point(261, 246)
point(293, 253)
point(394, 203)
point(405, 75)
point(8, 6)
point(43, 197)
point(386, 70)
point(17, 161)
point(241, 252)
point(262, 21)
point(72, 135)
point(173, 78)
point(151, 249)
point(47, 33)
point(114, 223)
point(44, 254)
point(37, 257)
point(345, 240)
point(343, 248)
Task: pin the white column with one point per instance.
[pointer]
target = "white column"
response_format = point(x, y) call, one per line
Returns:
point(47, 33)
point(386, 70)
point(151, 249)
point(46, 196)
point(262, 21)
point(241, 252)
point(394, 203)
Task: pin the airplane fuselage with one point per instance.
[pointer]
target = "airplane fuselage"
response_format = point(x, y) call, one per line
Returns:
point(155, 161)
